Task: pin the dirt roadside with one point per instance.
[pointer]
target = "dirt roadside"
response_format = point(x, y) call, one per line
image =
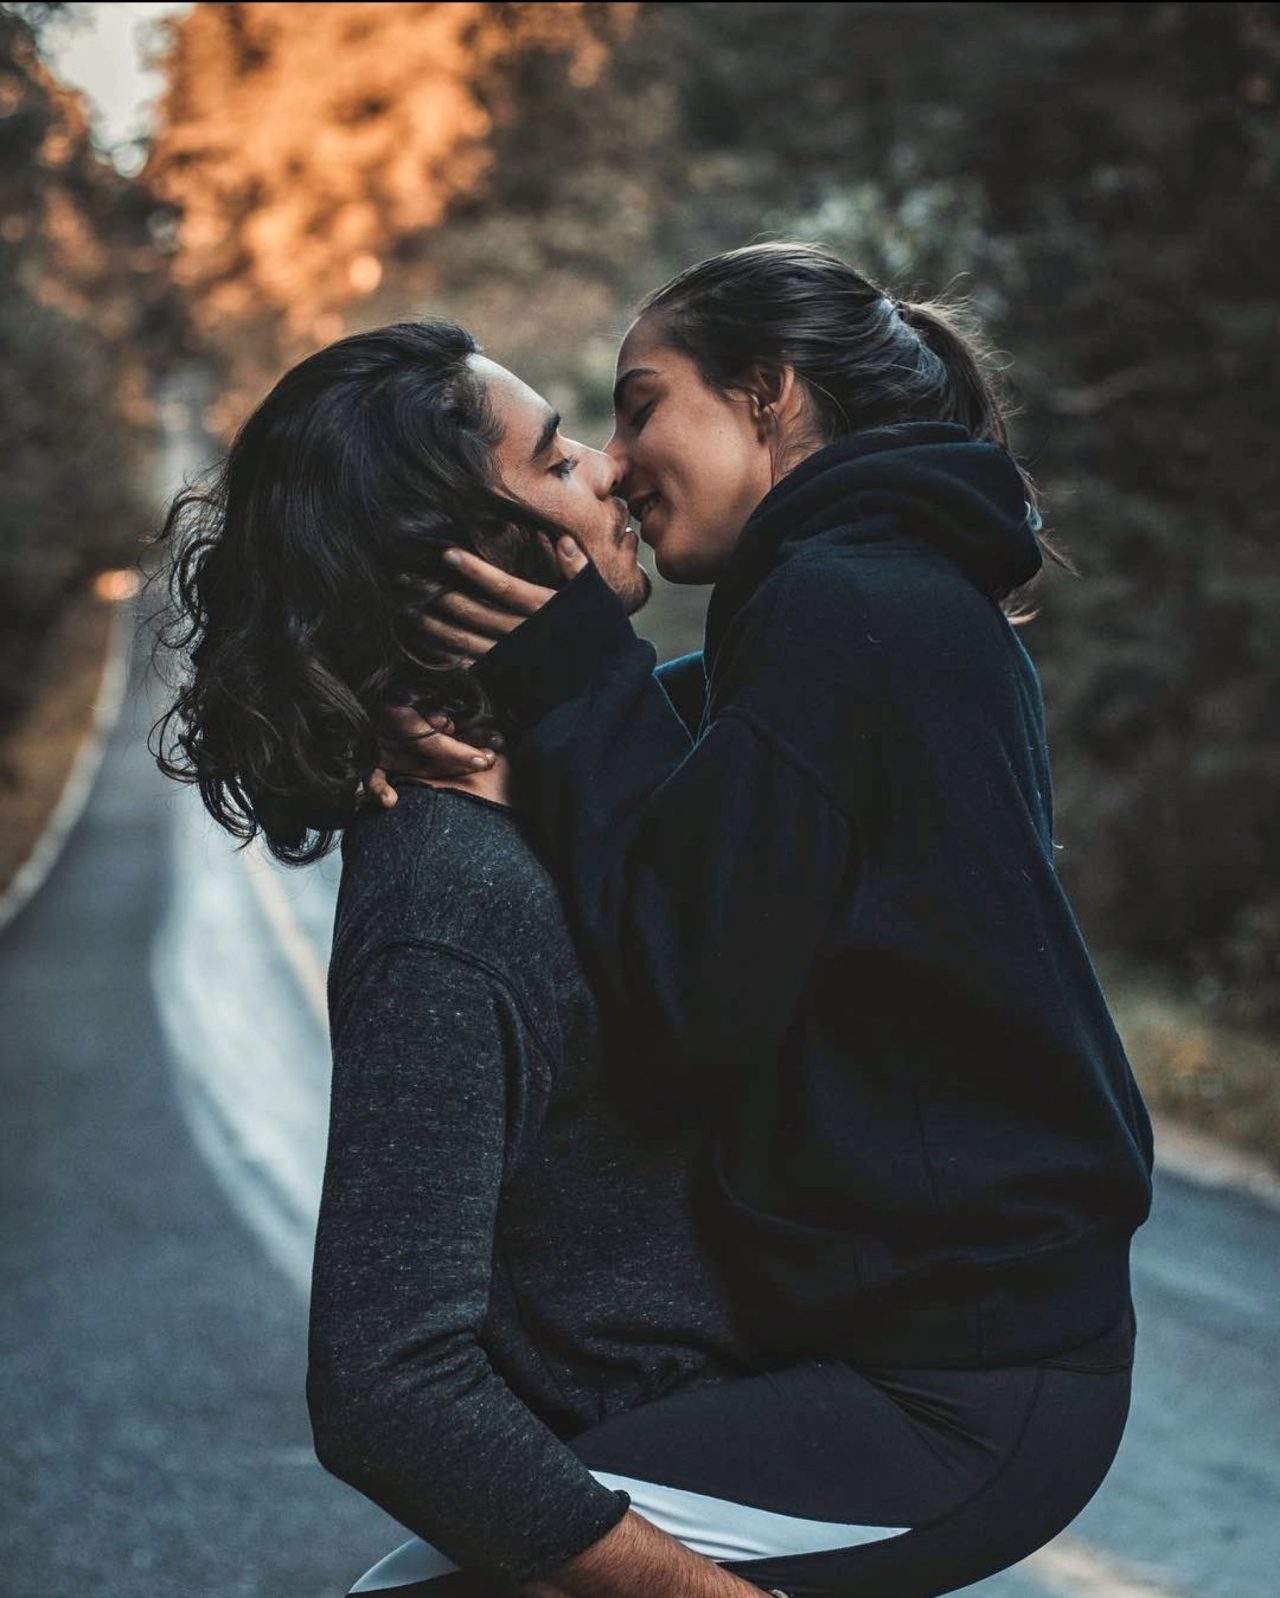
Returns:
point(1219, 1080)
point(37, 754)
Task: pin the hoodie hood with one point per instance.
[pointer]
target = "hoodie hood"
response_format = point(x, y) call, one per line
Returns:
point(912, 483)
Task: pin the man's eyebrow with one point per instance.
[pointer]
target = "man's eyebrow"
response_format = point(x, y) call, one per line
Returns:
point(636, 371)
point(549, 430)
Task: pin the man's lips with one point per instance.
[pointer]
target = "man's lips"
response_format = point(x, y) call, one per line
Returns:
point(623, 524)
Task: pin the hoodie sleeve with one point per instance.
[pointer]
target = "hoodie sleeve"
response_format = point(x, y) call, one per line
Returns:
point(437, 1085)
point(684, 681)
point(702, 874)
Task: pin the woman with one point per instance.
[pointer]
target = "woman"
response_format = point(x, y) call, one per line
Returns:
point(834, 906)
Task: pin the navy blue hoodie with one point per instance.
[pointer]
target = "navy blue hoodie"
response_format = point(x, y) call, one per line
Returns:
point(829, 912)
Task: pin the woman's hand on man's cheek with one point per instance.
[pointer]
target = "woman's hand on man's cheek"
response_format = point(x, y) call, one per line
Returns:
point(470, 621)
point(467, 625)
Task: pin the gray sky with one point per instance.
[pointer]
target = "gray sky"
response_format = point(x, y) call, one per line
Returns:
point(102, 49)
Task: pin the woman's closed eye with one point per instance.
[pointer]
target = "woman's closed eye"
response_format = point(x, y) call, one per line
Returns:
point(640, 417)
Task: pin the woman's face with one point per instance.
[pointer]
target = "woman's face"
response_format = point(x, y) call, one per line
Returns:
point(694, 463)
point(562, 480)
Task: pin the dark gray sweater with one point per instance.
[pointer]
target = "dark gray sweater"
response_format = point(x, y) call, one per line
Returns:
point(508, 1250)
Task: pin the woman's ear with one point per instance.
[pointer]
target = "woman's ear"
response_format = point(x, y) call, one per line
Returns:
point(775, 397)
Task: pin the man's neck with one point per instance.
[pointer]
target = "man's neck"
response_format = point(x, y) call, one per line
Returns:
point(490, 784)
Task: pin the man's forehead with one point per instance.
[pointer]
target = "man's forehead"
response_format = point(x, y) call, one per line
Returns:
point(510, 395)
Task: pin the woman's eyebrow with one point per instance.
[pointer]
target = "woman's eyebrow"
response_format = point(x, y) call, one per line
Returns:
point(620, 385)
point(549, 430)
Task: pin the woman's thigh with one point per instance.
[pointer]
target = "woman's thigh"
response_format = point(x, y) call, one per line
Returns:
point(819, 1455)
point(822, 1479)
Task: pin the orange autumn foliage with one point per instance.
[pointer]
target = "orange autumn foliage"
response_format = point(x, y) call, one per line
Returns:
point(302, 142)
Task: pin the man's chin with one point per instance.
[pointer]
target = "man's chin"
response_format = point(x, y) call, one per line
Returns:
point(639, 592)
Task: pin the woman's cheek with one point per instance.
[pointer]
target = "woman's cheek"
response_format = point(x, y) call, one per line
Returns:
point(665, 447)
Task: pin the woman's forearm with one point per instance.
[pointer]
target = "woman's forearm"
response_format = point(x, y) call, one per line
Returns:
point(702, 876)
point(635, 1559)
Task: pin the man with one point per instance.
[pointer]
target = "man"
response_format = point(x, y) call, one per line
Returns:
point(509, 1250)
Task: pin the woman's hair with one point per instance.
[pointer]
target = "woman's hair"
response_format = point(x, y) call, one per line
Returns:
point(295, 572)
point(864, 358)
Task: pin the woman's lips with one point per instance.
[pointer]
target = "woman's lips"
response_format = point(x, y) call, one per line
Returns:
point(642, 509)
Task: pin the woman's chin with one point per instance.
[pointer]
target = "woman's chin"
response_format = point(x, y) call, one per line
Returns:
point(668, 558)
point(680, 565)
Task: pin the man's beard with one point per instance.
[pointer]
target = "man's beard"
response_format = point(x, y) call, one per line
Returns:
point(638, 593)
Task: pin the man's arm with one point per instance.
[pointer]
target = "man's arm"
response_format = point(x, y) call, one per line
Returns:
point(405, 1404)
point(435, 1081)
point(638, 1560)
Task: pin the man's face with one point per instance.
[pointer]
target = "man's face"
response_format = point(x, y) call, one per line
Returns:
point(568, 483)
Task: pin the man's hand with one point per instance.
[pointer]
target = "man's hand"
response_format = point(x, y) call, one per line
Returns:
point(634, 1559)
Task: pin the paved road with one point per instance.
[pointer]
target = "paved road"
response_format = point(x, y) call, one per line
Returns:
point(165, 1075)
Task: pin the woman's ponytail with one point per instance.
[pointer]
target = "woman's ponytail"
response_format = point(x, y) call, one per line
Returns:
point(975, 397)
point(966, 375)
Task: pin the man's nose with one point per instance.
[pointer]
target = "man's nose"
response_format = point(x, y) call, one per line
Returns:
point(612, 469)
point(618, 456)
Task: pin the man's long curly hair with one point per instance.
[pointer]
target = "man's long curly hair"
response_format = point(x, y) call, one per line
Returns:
point(295, 570)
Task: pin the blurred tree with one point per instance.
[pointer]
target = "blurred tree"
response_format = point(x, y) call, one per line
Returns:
point(1103, 178)
point(310, 145)
point(82, 301)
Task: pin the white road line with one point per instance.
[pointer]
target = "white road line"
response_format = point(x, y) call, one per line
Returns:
point(1071, 1568)
point(251, 1190)
point(248, 1058)
point(32, 873)
point(301, 954)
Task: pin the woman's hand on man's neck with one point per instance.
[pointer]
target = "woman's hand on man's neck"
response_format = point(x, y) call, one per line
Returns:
point(428, 752)
point(490, 784)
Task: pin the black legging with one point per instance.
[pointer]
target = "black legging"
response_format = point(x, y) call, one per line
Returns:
point(927, 1480)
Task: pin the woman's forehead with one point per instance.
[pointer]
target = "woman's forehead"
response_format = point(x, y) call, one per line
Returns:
point(639, 343)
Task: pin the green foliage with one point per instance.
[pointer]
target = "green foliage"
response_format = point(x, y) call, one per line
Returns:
point(1103, 181)
point(79, 304)
point(70, 502)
